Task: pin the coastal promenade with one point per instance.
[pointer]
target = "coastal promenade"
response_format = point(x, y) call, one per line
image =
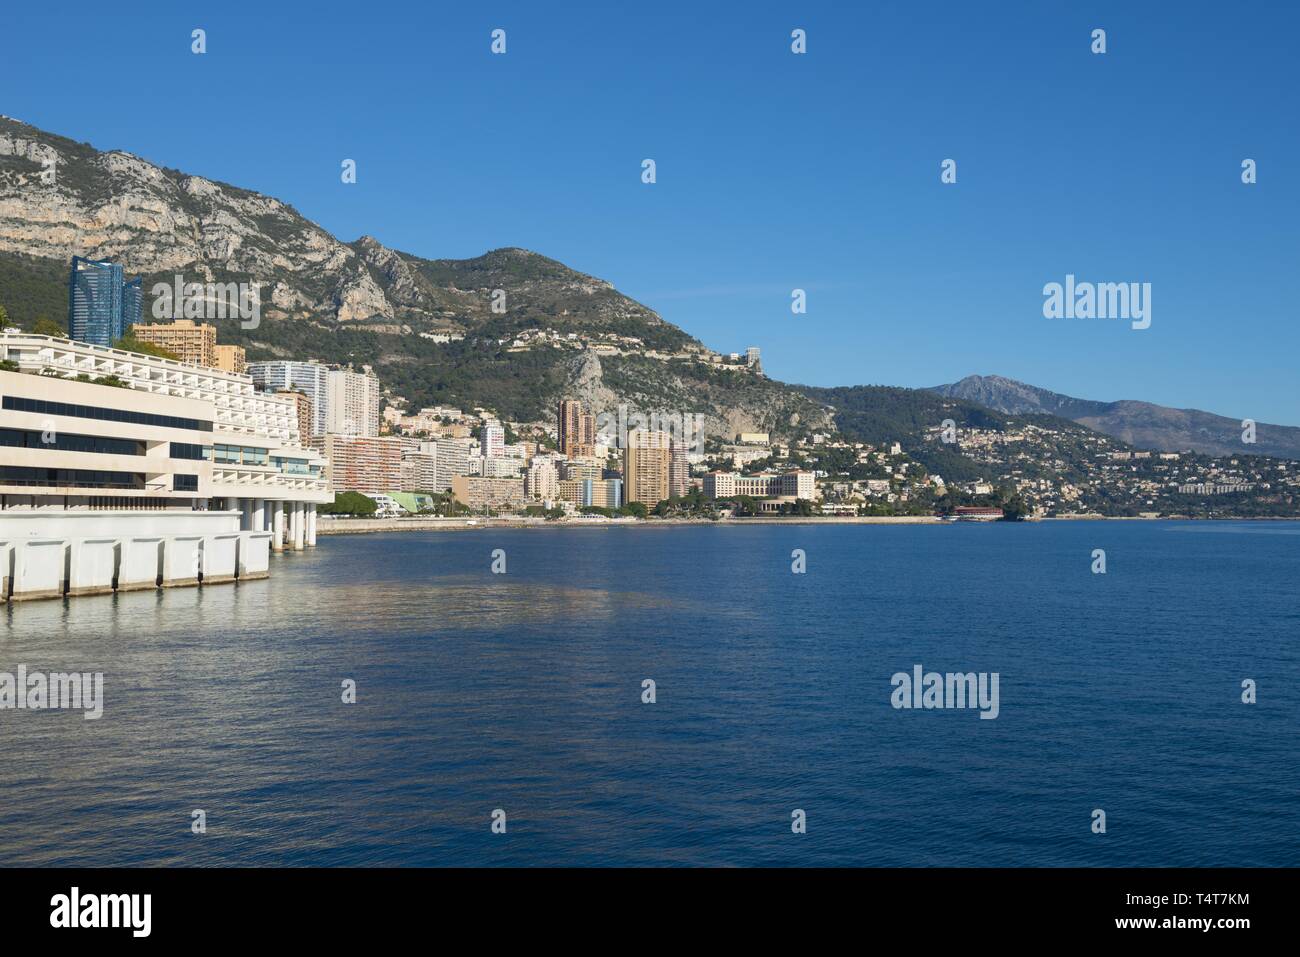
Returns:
point(352, 526)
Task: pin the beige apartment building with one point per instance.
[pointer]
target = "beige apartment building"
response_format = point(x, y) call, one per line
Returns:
point(419, 471)
point(230, 358)
point(576, 429)
point(360, 463)
point(647, 466)
point(194, 343)
point(478, 492)
point(305, 410)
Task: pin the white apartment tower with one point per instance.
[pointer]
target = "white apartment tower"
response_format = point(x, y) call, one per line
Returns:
point(494, 441)
point(309, 378)
point(352, 403)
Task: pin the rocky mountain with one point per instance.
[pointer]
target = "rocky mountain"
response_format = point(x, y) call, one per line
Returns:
point(1140, 424)
point(361, 302)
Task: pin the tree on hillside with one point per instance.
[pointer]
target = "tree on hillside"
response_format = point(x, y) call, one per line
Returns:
point(4, 318)
point(45, 326)
point(1015, 508)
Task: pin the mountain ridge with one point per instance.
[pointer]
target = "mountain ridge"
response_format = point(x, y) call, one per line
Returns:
point(1138, 423)
point(362, 302)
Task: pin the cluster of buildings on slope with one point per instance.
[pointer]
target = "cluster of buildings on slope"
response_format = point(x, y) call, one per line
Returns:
point(1098, 477)
point(573, 465)
point(611, 344)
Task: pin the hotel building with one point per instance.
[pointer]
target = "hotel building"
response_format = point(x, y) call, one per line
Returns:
point(190, 463)
point(791, 485)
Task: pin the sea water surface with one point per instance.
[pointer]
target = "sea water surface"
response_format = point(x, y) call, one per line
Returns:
point(522, 692)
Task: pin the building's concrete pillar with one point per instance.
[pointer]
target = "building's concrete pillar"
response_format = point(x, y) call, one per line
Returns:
point(299, 525)
point(259, 515)
point(245, 514)
point(311, 526)
point(277, 527)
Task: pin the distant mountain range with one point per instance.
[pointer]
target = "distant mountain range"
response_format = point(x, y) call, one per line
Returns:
point(1141, 424)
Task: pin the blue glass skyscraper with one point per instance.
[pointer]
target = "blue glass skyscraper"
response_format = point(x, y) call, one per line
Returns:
point(132, 304)
point(101, 307)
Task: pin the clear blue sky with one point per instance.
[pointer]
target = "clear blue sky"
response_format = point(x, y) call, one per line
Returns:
point(775, 171)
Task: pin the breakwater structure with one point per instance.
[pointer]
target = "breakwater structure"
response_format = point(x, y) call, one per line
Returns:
point(94, 553)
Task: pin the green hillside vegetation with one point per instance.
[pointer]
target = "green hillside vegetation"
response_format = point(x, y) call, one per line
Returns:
point(32, 289)
point(881, 414)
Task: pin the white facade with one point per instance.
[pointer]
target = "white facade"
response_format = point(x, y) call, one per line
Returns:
point(352, 403)
point(791, 485)
point(238, 406)
point(159, 452)
point(453, 460)
point(542, 479)
point(309, 378)
point(493, 441)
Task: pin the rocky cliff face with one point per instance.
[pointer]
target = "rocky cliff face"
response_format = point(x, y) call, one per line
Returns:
point(59, 198)
point(359, 301)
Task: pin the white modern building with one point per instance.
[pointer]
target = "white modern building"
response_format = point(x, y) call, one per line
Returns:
point(493, 440)
point(309, 378)
point(453, 459)
point(386, 505)
point(790, 485)
point(110, 457)
point(352, 403)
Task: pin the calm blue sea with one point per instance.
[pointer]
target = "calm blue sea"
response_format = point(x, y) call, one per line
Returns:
point(478, 691)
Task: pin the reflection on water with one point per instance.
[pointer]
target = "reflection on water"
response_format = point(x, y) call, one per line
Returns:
point(522, 691)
